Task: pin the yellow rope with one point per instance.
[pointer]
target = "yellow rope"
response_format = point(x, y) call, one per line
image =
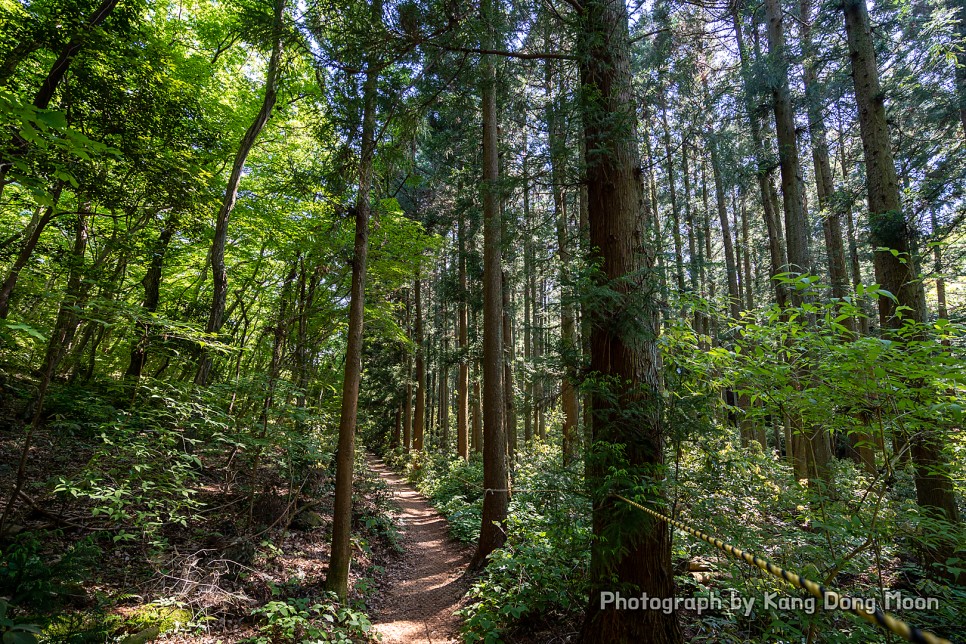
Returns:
point(879, 618)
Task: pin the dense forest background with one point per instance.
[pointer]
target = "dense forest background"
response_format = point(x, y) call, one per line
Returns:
point(705, 255)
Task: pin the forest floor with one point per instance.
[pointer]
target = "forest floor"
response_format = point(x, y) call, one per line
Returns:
point(426, 583)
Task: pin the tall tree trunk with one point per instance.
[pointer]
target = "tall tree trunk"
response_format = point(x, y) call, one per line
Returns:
point(766, 189)
point(650, 192)
point(444, 379)
point(825, 186)
point(495, 479)
point(419, 415)
point(477, 434)
point(855, 268)
point(557, 143)
point(587, 405)
point(337, 577)
point(813, 455)
point(218, 270)
point(510, 415)
point(937, 255)
point(408, 409)
point(694, 244)
point(632, 551)
point(746, 254)
point(960, 5)
point(889, 229)
point(675, 210)
point(796, 223)
point(463, 381)
point(731, 266)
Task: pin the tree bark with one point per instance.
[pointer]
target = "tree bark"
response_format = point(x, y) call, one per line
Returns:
point(766, 189)
point(495, 480)
point(889, 229)
point(960, 5)
point(218, 270)
point(731, 266)
point(463, 382)
point(675, 210)
point(568, 394)
point(631, 551)
point(152, 297)
point(510, 416)
point(824, 184)
point(26, 250)
point(813, 454)
point(57, 345)
point(419, 414)
point(408, 403)
point(337, 577)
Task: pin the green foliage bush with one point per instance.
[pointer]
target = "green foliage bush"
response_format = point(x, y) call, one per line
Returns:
point(32, 575)
point(299, 621)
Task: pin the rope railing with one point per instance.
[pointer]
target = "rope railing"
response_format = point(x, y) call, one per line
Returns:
point(876, 617)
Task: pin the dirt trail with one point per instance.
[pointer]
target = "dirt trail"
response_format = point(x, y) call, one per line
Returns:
point(426, 582)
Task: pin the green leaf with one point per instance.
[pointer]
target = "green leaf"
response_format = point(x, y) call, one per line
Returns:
point(52, 118)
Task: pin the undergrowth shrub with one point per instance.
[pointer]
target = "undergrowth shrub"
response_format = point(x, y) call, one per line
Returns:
point(538, 579)
point(34, 576)
point(300, 621)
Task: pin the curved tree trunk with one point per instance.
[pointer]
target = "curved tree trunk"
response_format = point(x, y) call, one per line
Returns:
point(56, 74)
point(219, 274)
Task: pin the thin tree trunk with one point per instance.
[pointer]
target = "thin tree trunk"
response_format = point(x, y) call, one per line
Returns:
point(444, 378)
point(57, 345)
point(937, 255)
point(825, 186)
point(960, 5)
point(746, 254)
point(675, 210)
point(152, 297)
point(477, 434)
point(510, 417)
point(419, 415)
point(463, 382)
point(337, 577)
point(731, 267)
point(26, 250)
point(769, 198)
point(217, 254)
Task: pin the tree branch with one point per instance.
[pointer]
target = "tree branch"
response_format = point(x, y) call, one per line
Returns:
point(541, 55)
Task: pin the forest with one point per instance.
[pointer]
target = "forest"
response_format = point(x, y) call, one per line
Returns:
point(631, 321)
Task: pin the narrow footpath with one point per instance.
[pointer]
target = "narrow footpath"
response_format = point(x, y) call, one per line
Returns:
point(426, 581)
